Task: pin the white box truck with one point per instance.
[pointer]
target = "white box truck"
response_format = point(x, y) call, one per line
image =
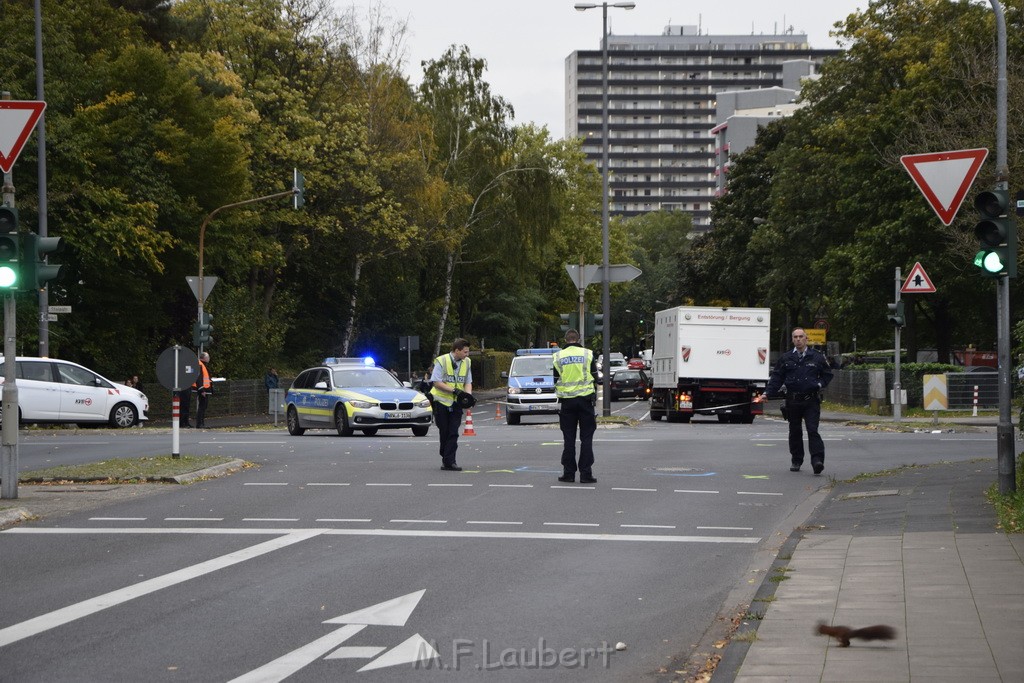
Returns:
point(710, 361)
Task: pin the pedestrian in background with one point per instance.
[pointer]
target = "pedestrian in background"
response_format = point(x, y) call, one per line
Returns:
point(203, 388)
point(451, 376)
point(804, 372)
point(576, 387)
point(271, 380)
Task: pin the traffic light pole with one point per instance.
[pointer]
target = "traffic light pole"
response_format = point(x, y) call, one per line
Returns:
point(1005, 449)
point(897, 388)
point(9, 431)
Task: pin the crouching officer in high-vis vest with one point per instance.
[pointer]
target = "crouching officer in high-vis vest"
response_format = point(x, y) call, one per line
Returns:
point(575, 384)
point(451, 376)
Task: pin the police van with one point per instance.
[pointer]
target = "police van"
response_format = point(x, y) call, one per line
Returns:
point(531, 385)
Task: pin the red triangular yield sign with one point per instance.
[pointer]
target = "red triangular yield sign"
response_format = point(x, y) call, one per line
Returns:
point(918, 281)
point(945, 177)
point(17, 119)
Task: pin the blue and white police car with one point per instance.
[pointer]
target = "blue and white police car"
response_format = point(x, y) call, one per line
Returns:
point(347, 394)
point(531, 385)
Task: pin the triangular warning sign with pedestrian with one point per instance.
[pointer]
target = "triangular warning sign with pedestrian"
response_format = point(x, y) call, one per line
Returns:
point(17, 120)
point(944, 178)
point(918, 281)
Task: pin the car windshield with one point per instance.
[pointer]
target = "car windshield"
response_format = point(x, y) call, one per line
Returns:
point(365, 377)
point(625, 375)
point(531, 367)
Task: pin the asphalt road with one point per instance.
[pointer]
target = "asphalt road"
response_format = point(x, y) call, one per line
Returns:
point(499, 570)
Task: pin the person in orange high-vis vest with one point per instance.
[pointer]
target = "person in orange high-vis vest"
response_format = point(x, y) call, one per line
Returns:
point(203, 388)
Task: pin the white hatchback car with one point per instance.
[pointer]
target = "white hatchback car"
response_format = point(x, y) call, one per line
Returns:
point(51, 390)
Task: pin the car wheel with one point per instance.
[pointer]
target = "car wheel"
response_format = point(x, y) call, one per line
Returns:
point(512, 418)
point(341, 421)
point(370, 431)
point(294, 428)
point(420, 431)
point(123, 415)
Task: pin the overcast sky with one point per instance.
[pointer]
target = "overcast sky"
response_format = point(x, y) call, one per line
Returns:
point(525, 42)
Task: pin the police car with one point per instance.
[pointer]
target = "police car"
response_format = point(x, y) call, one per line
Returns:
point(347, 394)
point(531, 385)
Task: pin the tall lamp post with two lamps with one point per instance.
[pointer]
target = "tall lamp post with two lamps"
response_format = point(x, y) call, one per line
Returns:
point(605, 297)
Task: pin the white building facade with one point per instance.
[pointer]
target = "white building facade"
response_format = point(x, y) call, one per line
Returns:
point(662, 98)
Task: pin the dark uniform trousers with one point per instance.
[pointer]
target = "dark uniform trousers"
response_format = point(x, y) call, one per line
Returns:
point(573, 412)
point(202, 399)
point(806, 409)
point(448, 420)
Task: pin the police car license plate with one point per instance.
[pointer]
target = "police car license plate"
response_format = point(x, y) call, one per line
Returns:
point(397, 416)
point(536, 407)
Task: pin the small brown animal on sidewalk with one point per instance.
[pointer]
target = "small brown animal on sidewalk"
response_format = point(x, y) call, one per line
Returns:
point(844, 633)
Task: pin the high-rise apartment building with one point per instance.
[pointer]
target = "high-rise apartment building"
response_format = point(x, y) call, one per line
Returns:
point(662, 92)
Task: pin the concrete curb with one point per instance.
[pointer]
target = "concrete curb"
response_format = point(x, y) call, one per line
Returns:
point(13, 516)
point(766, 564)
point(215, 471)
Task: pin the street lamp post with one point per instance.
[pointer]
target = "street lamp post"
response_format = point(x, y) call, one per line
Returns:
point(605, 297)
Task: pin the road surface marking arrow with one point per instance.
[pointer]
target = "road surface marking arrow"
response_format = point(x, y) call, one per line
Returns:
point(415, 649)
point(389, 613)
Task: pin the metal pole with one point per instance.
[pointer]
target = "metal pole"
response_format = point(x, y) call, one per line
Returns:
point(606, 346)
point(897, 398)
point(44, 291)
point(1005, 449)
point(9, 431)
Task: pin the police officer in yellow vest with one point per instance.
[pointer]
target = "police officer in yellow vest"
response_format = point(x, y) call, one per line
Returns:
point(575, 384)
point(451, 375)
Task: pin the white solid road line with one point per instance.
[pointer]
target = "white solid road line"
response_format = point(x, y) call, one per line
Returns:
point(412, 533)
point(62, 616)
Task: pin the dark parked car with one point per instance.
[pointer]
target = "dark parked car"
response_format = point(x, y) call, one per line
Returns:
point(630, 384)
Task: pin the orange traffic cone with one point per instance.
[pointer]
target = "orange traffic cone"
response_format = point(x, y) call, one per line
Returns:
point(469, 431)
point(497, 411)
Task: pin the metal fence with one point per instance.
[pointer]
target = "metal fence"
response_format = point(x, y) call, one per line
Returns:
point(231, 397)
point(854, 388)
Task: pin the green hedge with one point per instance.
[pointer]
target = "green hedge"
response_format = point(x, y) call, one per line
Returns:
point(488, 366)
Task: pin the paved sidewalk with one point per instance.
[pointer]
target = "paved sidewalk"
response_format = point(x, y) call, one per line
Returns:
point(917, 550)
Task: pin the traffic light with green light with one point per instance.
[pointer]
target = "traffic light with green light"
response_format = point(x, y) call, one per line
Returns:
point(35, 272)
point(9, 248)
point(996, 231)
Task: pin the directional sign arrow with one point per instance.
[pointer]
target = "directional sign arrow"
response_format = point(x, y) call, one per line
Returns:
point(582, 276)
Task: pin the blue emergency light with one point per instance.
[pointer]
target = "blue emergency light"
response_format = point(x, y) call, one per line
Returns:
point(334, 360)
point(535, 352)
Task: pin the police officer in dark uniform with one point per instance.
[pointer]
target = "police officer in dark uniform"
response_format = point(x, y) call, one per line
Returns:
point(803, 372)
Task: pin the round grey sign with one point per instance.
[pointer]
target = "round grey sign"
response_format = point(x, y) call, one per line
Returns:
point(177, 368)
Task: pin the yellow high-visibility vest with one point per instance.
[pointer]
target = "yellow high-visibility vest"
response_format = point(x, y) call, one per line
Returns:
point(574, 378)
point(447, 398)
